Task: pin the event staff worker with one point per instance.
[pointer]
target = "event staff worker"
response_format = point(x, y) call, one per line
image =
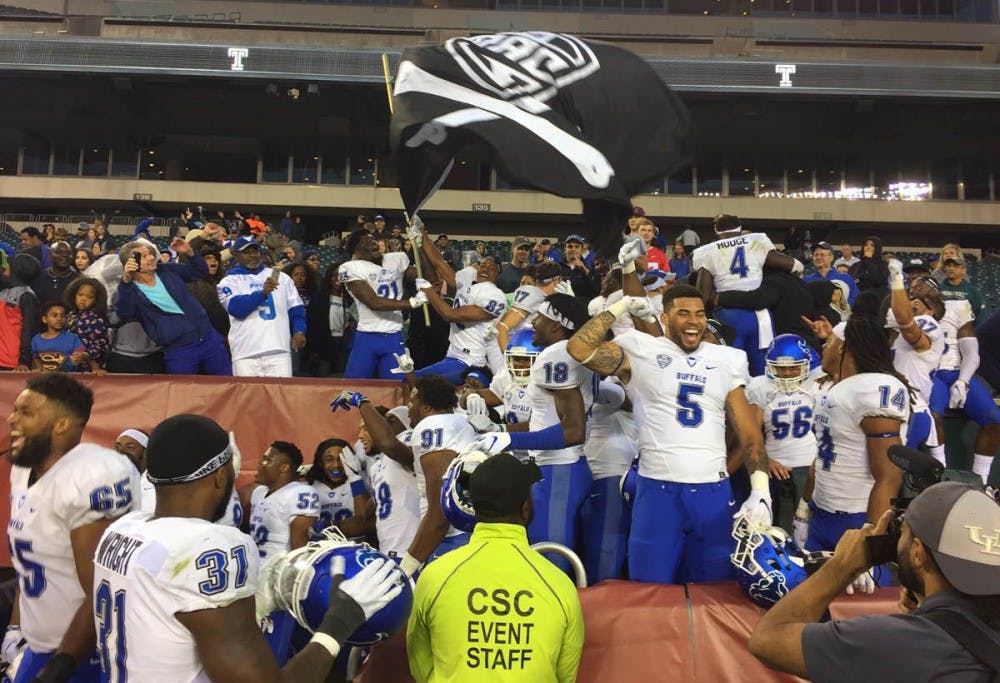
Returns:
point(156, 295)
point(949, 575)
point(496, 610)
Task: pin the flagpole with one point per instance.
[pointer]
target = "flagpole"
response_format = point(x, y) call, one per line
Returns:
point(416, 250)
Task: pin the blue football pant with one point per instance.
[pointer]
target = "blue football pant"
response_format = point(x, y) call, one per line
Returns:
point(744, 323)
point(558, 498)
point(371, 356)
point(826, 528)
point(979, 403)
point(32, 663)
point(605, 523)
point(449, 544)
point(919, 429)
point(449, 368)
point(681, 532)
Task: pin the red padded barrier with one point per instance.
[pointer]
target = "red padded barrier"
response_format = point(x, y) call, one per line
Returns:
point(259, 410)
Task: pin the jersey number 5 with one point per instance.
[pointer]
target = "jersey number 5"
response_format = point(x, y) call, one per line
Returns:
point(689, 413)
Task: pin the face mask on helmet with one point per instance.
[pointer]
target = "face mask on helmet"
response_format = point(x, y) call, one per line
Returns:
point(769, 563)
point(520, 356)
point(787, 362)
point(299, 583)
point(456, 504)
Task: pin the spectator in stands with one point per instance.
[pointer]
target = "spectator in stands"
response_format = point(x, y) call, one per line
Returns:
point(81, 238)
point(325, 328)
point(822, 256)
point(82, 260)
point(154, 294)
point(450, 254)
point(794, 243)
point(100, 245)
point(988, 334)
point(48, 233)
point(948, 598)
point(544, 251)
point(311, 258)
point(823, 292)
point(53, 281)
point(583, 279)
point(679, 264)
point(847, 257)
point(655, 258)
point(307, 284)
point(480, 252)
point(690, 239)
point(871, 273)
point(285, 226)
point(512, 272)
point(267, 317)
point(20, 314)
point(839, 302)
point(462, 587)
point(957, 286)
point(205, 289)
point(54, 349)
point(87, 303)
point(31, 243)
point(638, 213)
point(587, 254)
point(950, 250)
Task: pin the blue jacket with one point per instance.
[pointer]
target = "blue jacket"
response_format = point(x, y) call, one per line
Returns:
point(852, 287)
point(169, 330)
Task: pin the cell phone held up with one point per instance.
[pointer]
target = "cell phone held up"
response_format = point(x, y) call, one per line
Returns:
point(276, 275)
point(137, 257)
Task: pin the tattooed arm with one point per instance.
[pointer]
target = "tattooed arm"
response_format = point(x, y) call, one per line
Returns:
point(603, 357)
point(748, 432)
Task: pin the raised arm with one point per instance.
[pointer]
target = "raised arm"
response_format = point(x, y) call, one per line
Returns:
point(903, 312)
point(417, 234)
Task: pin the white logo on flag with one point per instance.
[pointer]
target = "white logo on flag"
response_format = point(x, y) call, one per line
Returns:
point(786, 71)
point(237, 54)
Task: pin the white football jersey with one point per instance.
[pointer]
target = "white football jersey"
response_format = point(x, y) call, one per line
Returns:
point(232, 517)
point(146, 571)
point(555, 369)
point(88, 484)
point(788, 421)
point(957, 313)
point(736, 263)
point(467, 341)
point(516, 408)
point(335, 504)
point(271, 515)
point(386, 281)
point(917, 366)
point(266, 330)
point(447, 432)
point(680, 405)
point(843, 475)
point(611, 433)
point(397, 503)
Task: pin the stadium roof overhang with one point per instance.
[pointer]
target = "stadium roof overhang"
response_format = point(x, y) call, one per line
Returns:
point(346, 65)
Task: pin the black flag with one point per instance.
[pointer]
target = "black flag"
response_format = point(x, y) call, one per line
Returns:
point(560, 114)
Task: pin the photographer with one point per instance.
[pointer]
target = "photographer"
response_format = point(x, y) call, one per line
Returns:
point(949, 571)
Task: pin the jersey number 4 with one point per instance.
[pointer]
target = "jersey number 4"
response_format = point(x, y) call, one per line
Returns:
point(738, 266)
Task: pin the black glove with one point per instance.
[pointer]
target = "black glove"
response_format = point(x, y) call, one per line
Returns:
point(59, 669)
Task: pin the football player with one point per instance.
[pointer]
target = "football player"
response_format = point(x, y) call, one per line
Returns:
point(342, 500)
point(375, 280)
point(682, 515)
point(561, 391)
point(478, 302)
point(174, 593)
point(63, 495)
point(282, 509)
point(736, 262)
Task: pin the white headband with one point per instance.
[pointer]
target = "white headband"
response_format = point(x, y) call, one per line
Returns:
point(137, 435)
point(547, 311)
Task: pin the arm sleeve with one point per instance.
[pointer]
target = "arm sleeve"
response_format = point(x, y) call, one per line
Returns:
point(969, 348)
point(30, 315)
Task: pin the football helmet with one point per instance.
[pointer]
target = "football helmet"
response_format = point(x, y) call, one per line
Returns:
point(299, 583)
point(455, 501)
point(627, 483)
point(521, 347)
point(788, 351)
point(769, 563)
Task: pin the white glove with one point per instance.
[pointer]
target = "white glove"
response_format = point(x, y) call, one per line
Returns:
point(478, 414)
point(404, 363)
point(563, 287)
point(627, 255)
point(596, 305)
point(13, 642)
point(958, 393)
point(639, 306)
point(757, 507)
point(797, 267)
point(374, 587)
point(414, 233)
point(422, 284)
point(491, 444)
point(895, 274)
point(351, 464)
point(266, 601)
point(490, 333)
point(800, 524)
point(237, 456)
point(863, 584)
point(419, 300)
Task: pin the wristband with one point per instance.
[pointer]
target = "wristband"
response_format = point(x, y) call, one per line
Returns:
point(803, 511)
point(328, 643)
point(409, 564)
point(617, 308)
point(628, 267)
point(896, 282)
point(760, 481)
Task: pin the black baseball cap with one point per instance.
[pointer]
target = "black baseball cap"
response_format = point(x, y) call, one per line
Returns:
point(823, 245)
point(575, 238)
point(500, 485)
point(915, 264)
point(960, 526)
